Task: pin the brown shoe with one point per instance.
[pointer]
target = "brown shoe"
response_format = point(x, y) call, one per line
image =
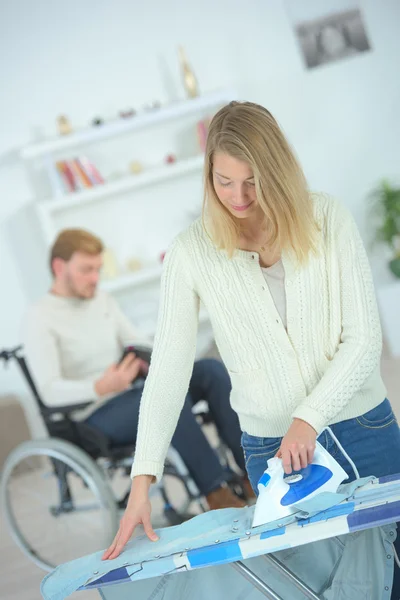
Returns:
point(222, 497)
point(248, 490)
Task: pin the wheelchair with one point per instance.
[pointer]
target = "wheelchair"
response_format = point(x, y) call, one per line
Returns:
point(72, 485)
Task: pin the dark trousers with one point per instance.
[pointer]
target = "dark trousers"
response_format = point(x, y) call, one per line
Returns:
point(118, 420)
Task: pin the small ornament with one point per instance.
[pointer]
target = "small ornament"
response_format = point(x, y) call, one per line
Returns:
point(97, 121)
point(162, 256)
point(110, 267)
point(170, 158)
point(63, 124)
point(152, 105)
point(133, 264)
point(126, 114)
point(135, 167)
point(189, 78)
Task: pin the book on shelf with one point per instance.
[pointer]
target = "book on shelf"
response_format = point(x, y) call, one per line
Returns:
point(73, 175)
point(90, 170)
point(78, 183)
point(66, 176)
point(81, 179)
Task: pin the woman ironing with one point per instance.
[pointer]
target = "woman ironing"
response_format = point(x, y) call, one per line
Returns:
point(286, 281)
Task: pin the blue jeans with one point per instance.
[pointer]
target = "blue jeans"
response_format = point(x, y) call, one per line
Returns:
point(118, 420)
point(372, 441)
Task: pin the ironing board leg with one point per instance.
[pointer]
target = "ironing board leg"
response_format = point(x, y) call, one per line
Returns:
point(307, 591)
point(256, 581)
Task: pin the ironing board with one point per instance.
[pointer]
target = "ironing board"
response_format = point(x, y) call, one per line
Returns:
point(143, 570)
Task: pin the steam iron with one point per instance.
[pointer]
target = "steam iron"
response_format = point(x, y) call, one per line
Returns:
point(280, 494)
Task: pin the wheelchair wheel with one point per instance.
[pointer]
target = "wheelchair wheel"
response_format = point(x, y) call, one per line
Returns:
point(179, 504)
point(182, 499)
point(57, 502)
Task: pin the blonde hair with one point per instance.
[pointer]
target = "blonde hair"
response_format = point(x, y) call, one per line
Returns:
point(70, 241)
point(248, 132)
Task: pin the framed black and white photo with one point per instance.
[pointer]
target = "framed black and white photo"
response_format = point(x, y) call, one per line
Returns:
point(328, 30)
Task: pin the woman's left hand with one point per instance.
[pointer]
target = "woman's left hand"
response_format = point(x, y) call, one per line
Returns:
point(297, 447)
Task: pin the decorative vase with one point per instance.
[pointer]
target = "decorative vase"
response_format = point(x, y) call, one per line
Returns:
point(64, 125)
point(189, 78)
point(394, 266)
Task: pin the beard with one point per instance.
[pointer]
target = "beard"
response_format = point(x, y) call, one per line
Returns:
point(82, 292)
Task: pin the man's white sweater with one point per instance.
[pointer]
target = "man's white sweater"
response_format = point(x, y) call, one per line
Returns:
point(70, 342)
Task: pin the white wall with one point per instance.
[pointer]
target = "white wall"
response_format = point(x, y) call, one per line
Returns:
point(96, 57)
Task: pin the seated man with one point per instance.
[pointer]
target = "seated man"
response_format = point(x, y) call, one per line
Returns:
point(74, 338)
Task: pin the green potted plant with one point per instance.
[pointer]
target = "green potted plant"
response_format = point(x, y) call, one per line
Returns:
point(386, 214)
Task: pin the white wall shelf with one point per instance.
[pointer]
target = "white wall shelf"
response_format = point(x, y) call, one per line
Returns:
point(125, 184)
point(131, 280)
point(64, 209)
point(122, 126)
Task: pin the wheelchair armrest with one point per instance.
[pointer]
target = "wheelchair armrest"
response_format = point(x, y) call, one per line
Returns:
point(65, 410)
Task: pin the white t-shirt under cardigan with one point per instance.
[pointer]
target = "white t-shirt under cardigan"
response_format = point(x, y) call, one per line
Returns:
point(323, 369)
point(275, 278)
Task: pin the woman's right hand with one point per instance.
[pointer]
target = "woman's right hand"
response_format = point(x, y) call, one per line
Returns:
point(137, 512)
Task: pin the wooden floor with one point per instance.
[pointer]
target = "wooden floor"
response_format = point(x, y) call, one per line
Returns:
point(20, 579)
